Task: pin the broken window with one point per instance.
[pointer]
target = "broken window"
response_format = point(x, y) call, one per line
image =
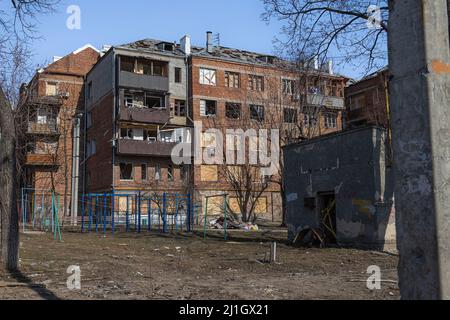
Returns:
point(89, 93)
point(233, 110)
point(127, 64)
point(177, 75)
point(208, 77)
point(143, 172)
point(288, 87)
point(290, 115)
point(153, 102)
point(232, 79)
point(126, 171)
point(257, 112)
point(331, 120)
point(170, 172)
point(309, 120)
point(159, 68)
point(179, 108)
point(158, 172)
point(208, 108)
point(255, 83)
point(126, 133)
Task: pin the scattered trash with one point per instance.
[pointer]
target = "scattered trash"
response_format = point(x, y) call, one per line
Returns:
point(310, 237)
point(232, 224)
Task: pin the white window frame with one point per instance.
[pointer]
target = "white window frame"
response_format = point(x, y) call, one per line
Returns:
point(208, 77)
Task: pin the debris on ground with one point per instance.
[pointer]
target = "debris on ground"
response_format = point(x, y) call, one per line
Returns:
point(232, 224)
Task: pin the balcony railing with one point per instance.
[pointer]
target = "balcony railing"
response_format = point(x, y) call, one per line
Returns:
point(145, 148)
point(44, 160)
point(144, 115)
point(327, 101)
point(42, 128)
point(143, 81)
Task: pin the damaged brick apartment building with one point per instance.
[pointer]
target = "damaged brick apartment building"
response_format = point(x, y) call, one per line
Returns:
point(50, 105)
point(143, 98)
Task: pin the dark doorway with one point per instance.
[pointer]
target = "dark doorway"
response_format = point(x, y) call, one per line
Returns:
point(327, 211)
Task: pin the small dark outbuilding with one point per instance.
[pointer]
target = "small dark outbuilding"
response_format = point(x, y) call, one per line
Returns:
point(343, 184)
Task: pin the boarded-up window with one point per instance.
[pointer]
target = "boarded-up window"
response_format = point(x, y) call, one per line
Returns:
point(261, 205)
point(209, 173)
point(51, 89)
point(209, 140)
point(215, 206)
point(234, 205)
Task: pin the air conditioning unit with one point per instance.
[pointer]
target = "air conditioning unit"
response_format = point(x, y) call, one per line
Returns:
point(65, 95)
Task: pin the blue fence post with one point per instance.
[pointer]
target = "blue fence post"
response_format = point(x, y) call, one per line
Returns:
point(82, 213)
point(90, 213)
point(164, 212)
point(177, 203)
point(113, 205)
point(139, 212)
point(127, 221)
point(34, 208)
point(149, 209)
point(96, 214)
point(104, 213)
point(189, 210)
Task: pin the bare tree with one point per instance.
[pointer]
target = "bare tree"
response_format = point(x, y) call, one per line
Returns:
point(354, 31)
point(17, 28)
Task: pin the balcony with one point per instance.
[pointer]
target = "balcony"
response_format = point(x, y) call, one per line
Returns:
point(327, 101)
point(47, 129)
point(143, 81)
point(144, 115)
point(40, 160)
point(130, 147)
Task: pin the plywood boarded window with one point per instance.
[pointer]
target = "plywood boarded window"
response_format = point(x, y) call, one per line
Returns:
point(209, 173)
point(234, 205)
point(261, 205)
point(215, 206)
point(51, 89)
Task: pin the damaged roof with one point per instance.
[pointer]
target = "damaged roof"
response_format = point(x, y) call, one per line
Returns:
point(218, 52)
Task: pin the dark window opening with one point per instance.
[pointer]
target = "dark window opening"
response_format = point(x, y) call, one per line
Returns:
point(257, 113)
point(290, 115)
point(126, 171)
point(177, 75)
point(208, 108)
point(143, 172)
point(180, 108)
point(170, 173)
point(233, 110)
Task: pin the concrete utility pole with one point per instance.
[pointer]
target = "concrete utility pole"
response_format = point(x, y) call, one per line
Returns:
point(419, 62)
point(75, 170)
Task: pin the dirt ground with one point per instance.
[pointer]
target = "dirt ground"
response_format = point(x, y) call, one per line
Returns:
point(155, 266)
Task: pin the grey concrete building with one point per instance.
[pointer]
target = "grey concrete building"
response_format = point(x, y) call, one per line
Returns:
point(342, 182)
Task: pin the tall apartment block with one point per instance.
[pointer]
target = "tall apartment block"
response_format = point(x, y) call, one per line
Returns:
point(50, 105)
point(136, 112)
point(143, 98)
point(236, 89)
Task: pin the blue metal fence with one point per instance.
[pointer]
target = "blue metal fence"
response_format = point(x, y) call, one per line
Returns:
point(136, 212)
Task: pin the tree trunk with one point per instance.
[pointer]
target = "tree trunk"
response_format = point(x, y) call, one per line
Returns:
point(9, 219)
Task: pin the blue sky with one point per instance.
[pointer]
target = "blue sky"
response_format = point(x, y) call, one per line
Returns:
point(117, 22)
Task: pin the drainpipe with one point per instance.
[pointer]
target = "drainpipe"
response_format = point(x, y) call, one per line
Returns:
point(114, 143)
point(75, 169)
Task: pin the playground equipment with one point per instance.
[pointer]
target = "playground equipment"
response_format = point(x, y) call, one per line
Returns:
point(40, 211)
point(139, 211)
point(224, 211)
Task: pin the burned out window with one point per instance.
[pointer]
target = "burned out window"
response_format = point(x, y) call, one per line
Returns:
point(255, 83)
point(170, 173)
point(127, 64)
point(159, 68)
point(143, 172)
point(208, 108)
point(233, 110)
point(257, 112)
point(177, 75)
point(232, 79)
point(310, 120)
point(290, 115)
point(126, 133)
point(179, 108)
point(126, 171)
point(158, 173)
point(153, 102)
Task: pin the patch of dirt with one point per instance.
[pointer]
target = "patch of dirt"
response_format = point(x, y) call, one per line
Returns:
point(154, 266)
